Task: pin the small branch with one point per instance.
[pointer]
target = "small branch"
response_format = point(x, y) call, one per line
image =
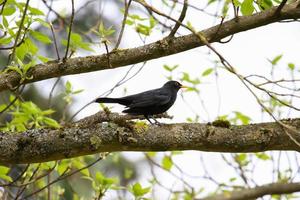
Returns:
point(55, 42)
point(260, 191)
point(279, 8)
point(52, 10)
point(63, 176)
point(19, 32)
point(127, 5)
point(70, 30)
point(181, 18)
point(107, 54)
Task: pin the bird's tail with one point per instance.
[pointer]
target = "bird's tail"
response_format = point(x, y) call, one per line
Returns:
point(111, 100)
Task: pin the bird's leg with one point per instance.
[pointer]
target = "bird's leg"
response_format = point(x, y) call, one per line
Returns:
point(156, 122)
point(147, 118)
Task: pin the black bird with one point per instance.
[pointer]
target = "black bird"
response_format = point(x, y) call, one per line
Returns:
point(149, 102)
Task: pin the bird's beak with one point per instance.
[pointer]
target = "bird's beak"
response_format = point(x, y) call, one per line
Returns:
point(183, 86)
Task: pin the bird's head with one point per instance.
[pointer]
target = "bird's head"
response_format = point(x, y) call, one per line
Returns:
point(174, 85)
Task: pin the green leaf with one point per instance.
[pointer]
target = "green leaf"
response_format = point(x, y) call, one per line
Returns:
point(5, 22)
point(291, 66)
point(103, 181)
point(41, 37)
point(48, 112)
point(79, 165)
point(170, 68)
point(76, 42)
point(176, 153)
point(5, 177)
point(152, 22)
point(136, 17)
point(243, 118)
point(42, 22)
point(2, 107)
point(241, 158)
point(51, 122)
point(167, 163)
point(3, 173)
point(5, 40)
point(77, 91)
point(21, 51)
point(4, 170)
point(8, 10)
point(247, 7)
point(275, 60)
point(32, 48)
point(128, 173)
point(68, 87)
point(151, 153)
point(263, 156)
point(43, 58)
point(232, 179)
point(137, 190)
point(207, 72)
point(63, 166)
point(145, 30)
point(129, 22)
point(35, 11)
point(265, 4)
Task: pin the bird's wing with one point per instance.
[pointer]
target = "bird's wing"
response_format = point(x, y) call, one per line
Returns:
point(150, 98)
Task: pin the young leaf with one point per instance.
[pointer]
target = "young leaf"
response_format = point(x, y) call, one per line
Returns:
point(8, 10)
point(167, 163)
point(291, 66)
point(40, 37)
point(207, 72)
point(247, 7)
point(51, 122)
point(137, 190)
point(276, 59)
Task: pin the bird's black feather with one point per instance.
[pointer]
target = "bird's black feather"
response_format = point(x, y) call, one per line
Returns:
point(149, 102)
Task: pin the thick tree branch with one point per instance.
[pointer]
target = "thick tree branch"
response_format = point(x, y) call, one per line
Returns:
point(260, 191)
point(161, 48)
point(106, 133)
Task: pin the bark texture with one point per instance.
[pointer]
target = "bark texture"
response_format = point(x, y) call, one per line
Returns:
point(161, 48)
point(104, 132)
point(260, 191)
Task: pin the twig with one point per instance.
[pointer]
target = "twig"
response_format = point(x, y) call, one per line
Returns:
point(219, 27)
point(279, 8)
point(127, 5)
point(52, 10)
point(21, 190)
point(63, 176)
point(107, 53)
point(58, 58)
point(19, 32)
point(14, 100)
point(70, 31)
point(16, 179)
point(3, 5)
point(181, 18)
point(55, 42)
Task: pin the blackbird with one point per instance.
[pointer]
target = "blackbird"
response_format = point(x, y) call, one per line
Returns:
point(148, 103)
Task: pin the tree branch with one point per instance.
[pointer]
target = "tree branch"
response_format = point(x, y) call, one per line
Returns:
point(161, 48)
point(260, 191)
point(104, 132)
